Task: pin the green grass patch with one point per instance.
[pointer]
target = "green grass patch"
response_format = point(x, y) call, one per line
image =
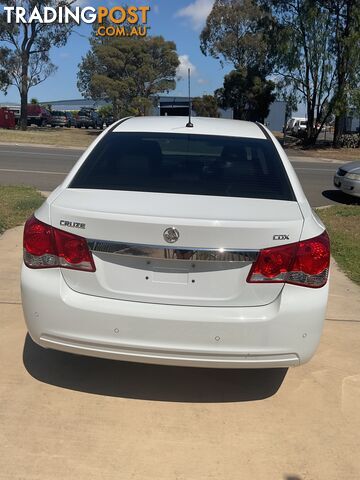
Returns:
point(16, 205)
point(343, 225)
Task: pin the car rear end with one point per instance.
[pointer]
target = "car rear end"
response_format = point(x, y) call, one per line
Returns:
point(84, 119)
point(38, 115)
point(58, 119)
point(181, 247)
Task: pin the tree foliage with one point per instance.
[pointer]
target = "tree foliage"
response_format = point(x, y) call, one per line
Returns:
point(128, 71)
point(317, 54)
point(106, 110)
point(355, 101)
point(248, 93)
point(311, 48)
point(237, 32)
point(345, 17)
point(24, 49)
point(206, 106)
point(304, 59)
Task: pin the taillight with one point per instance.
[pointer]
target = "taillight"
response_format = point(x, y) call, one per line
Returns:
point(48, 247)
point(303, 263)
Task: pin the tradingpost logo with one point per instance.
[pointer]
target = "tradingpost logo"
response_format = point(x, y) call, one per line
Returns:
point(117, 21)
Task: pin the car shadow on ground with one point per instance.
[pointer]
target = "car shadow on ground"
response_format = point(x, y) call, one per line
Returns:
point(340, 197)
point(149, 382)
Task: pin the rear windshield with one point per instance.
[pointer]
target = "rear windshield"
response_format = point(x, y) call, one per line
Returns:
point(186, 164)
point(57, 113)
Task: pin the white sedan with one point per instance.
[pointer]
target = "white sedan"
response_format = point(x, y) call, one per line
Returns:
point(179, 244)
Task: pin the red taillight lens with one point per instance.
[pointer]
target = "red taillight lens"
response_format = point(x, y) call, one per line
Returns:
point(48, 247)
point(304, 263)
point(313, 256)
point(39, 238)
point(273, 263)
point(73, 251)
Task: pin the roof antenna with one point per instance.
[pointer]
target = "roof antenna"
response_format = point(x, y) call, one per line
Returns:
point(189, 124)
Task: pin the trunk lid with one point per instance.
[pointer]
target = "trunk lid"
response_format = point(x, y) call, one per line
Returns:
point(159, 272)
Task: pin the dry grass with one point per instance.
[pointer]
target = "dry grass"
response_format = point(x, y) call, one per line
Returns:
point(348, 154)
point(60, 137)
point(17, 204)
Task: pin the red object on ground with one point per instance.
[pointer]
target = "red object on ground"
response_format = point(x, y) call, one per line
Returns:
point(7, 118)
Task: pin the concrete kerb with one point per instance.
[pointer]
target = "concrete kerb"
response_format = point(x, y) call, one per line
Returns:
point(42, 145)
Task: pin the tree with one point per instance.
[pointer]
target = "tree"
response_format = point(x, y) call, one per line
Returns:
point(128, 72)
point(345, 21)
point(106, 110)
point(24, 52)
point(237, 32)
point(248, 93)
point(304, 59)
point(34, 101)
point(355, 101)
point(206, 106)
point(317, 54)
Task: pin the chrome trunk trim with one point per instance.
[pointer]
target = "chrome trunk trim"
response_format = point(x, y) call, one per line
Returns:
point(172, 253)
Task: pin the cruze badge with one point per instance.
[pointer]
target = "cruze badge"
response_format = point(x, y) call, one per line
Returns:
point(67, 223)
point(171, 235)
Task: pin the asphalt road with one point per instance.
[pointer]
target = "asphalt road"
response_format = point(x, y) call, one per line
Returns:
point(45, 168)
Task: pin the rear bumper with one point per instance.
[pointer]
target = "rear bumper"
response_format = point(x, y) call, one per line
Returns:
point(283, 333)
point(58, 123)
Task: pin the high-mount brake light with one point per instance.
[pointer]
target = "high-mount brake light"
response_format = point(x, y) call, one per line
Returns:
point(48, 247)
point(304, 263)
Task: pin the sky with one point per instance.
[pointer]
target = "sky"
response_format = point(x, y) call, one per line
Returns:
point(180, 21)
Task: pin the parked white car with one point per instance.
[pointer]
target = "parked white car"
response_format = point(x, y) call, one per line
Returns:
point(299, 128)
point(178, 245)
point(347, 178)
point(292, 122)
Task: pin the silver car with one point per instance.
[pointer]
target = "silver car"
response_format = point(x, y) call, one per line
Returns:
point(347, 178)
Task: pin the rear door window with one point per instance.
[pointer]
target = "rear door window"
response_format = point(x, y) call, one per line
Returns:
point(186, 164)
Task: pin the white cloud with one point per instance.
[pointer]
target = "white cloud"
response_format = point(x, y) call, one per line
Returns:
point(185, 64)
point(196, 12)
point(202, 81)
